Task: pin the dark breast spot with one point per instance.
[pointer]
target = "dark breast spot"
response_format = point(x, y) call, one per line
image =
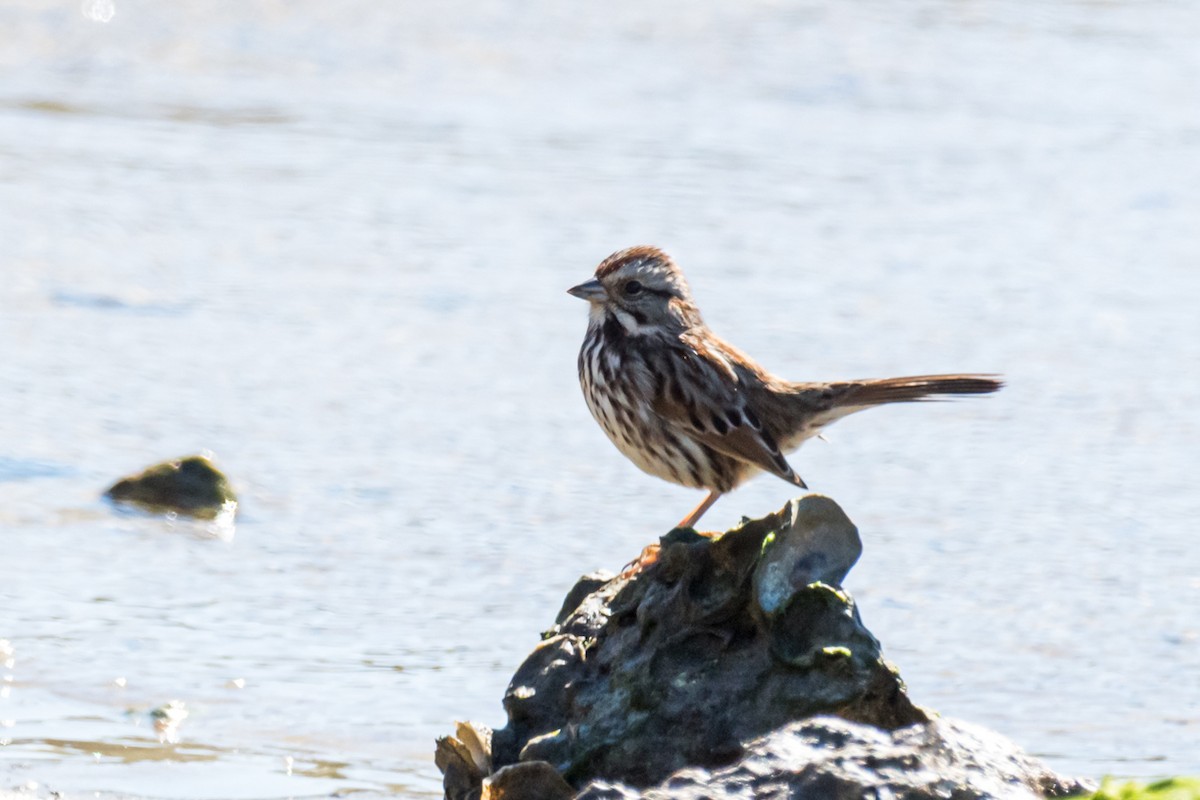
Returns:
point(719, 425)
point(752, 418)
point(734, 417)
point(613, 331)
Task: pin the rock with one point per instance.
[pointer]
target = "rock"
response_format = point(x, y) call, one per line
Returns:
point(465, 760)
point(529, 780)
point(190, 485)
point(683, 660)
point(736, 659)
point(582, 589)
point(466, 763)
point(827, 758)
point(819, 544)
point(167, 718)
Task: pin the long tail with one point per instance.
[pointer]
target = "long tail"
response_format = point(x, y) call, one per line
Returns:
point(814, 405)
point(909, 389)
point(806, 408)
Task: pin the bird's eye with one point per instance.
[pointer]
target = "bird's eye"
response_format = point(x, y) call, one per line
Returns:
point(632, 288)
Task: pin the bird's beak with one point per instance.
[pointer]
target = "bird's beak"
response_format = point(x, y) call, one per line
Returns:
point(592, 291)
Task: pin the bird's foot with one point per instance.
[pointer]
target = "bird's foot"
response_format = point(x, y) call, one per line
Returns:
point(649, 555)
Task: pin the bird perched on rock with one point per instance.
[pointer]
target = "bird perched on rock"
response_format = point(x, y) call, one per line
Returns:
point(685, 405)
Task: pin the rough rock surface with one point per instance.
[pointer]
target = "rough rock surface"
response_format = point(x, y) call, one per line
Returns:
point(686, 660)
point(733, 666)
point(827, 758)
point(190, 485)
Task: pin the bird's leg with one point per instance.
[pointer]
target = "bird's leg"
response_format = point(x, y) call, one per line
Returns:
point(650, 553)
point(691, 519)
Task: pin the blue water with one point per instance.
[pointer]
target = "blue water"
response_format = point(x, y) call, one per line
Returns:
point(329, 242)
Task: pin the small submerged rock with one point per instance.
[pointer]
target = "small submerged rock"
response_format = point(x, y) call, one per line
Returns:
point(733, 666)
point(192, 486)
point(167, 718)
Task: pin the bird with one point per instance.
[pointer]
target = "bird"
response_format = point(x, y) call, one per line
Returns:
point(686, 406)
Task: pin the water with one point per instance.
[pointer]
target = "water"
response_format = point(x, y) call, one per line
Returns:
point(330, 243)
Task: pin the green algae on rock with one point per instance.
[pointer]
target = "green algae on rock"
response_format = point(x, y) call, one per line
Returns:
point(191, 485)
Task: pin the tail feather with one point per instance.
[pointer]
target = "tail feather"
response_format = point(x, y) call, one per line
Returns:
point(809, 407)
point(914, 388)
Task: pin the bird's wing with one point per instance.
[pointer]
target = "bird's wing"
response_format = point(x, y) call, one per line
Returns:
point(703, 393)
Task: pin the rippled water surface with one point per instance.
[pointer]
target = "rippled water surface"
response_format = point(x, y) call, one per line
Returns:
point(329, 243)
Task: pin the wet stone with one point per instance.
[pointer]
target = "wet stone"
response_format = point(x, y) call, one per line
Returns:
point(192, 486)
point(827, 758)
point(815, 543)
point(732, 666)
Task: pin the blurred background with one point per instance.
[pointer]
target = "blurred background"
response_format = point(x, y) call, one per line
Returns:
point(329, 242)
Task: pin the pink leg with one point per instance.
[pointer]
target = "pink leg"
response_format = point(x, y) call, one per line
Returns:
point(650, 553)
point(691, 519)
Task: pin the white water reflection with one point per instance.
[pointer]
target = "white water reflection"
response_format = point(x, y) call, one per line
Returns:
point(99, 10)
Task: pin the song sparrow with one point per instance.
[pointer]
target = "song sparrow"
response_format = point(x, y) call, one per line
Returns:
point(688, 407)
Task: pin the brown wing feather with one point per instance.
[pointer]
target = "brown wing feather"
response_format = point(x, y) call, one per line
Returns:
point(705, 396)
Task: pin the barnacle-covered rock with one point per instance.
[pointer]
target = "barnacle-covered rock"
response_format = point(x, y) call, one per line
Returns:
point(721, 641)
point(686, 669)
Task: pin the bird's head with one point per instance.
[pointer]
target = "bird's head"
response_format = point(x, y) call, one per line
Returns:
point(643, 289)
